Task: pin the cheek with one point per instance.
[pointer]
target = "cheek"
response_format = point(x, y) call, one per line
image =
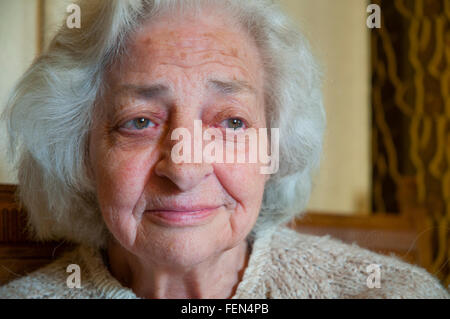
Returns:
point(246, 185)
point(120, 179)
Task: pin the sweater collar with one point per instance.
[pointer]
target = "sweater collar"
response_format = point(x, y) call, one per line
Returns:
point(109, 287)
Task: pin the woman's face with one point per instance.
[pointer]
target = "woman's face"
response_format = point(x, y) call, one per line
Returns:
point(178, 71)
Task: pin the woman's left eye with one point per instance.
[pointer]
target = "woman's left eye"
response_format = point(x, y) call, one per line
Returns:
point(234, 123)
point(139, 124)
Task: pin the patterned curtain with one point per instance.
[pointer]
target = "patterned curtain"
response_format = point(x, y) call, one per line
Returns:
point(411, 113)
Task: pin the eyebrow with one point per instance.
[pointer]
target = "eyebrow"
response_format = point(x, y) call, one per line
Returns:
point(158, 90)
point(231, 87)
point(148, 92)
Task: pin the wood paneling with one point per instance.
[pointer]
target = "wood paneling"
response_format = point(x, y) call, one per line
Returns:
point(17, 260)
point(19, 254)
point(382, 233)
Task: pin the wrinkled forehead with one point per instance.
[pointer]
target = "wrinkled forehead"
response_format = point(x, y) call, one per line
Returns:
point(204, 30)
point(194, 42)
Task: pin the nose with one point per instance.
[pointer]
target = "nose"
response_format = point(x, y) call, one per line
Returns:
point(185, 176)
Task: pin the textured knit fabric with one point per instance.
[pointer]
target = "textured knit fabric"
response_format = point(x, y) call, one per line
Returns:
point(283, 264)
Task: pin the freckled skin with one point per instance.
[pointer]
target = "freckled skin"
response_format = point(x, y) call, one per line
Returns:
point(133, 173)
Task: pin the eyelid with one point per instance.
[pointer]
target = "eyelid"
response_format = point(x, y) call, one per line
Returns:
point(123, 117)
point(244, 122)
point(138, 118)
point(136, 132)
point(128, 110)
point(233, 113)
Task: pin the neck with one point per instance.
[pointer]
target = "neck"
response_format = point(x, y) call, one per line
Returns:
point(216, 277)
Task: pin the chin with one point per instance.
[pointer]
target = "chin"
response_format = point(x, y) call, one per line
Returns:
point(182, 246)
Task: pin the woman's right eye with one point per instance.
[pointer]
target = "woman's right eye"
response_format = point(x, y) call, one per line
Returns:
point(139, 124)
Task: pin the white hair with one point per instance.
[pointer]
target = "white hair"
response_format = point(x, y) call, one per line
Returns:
point(49, 113)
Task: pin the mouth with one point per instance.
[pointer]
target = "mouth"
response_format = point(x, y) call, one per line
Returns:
point(183, 216)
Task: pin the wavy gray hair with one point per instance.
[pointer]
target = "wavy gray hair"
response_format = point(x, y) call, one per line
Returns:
point(49, 113)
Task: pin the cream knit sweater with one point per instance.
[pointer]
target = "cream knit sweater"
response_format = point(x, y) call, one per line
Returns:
point(283, 264)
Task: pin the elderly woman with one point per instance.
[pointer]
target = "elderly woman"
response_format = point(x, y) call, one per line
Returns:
point(92, 124)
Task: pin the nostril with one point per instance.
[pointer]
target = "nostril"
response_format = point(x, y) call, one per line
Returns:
point(185, 176)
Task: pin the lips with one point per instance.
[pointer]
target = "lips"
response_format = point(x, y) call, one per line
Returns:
point(183, 216)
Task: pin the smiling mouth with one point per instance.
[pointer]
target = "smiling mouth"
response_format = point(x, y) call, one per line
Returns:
point(182, 217)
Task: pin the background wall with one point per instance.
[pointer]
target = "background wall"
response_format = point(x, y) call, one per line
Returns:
point(340, 40)
point(18, 41)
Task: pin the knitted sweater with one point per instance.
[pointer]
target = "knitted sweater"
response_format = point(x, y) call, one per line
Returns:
point(283, 264)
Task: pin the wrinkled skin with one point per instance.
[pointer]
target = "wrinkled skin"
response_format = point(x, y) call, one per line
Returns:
point(179, 59)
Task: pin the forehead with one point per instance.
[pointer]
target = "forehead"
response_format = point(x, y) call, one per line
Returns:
point(205, 46)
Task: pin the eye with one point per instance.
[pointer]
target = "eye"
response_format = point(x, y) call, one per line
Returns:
point(234, 123)
point(139, 124)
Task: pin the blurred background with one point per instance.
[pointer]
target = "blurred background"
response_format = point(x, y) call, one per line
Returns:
point(385, 175)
